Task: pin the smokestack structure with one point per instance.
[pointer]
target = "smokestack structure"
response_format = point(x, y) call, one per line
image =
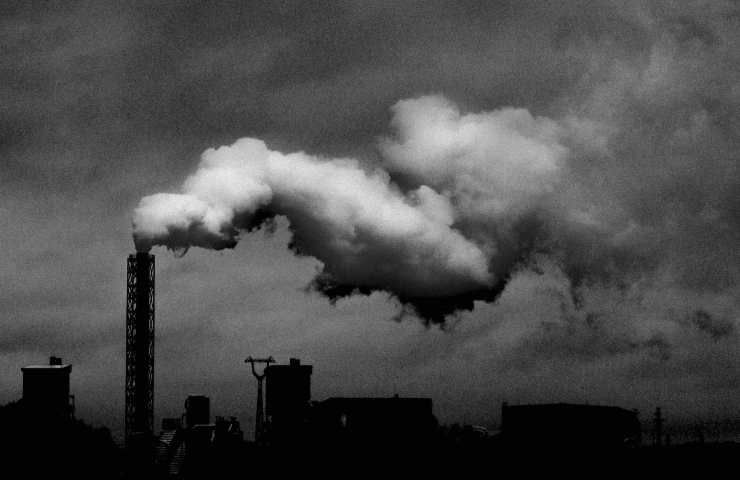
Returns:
point(140, 347)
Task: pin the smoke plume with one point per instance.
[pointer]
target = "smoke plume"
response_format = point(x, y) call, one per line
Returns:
point(451, 238)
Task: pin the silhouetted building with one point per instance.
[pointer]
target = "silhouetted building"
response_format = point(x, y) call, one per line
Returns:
point(46, 390)
point(565, 426)
point(41, 438)
point(198, 448)
point(197, 410)
point(288, 401)
point(375, 422)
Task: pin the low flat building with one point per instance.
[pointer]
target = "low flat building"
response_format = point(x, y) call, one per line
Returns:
point(565, 425)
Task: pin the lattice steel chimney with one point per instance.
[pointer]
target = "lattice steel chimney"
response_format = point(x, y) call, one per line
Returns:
point(139, 346)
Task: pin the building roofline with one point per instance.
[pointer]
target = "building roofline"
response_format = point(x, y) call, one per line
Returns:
point(47, 367)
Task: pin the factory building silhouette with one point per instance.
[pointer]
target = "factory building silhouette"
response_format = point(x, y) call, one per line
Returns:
point(42, 433)
point(586, 427)
point(40, 437)
point(288, 404)
point(197, 445)
point(46, 393)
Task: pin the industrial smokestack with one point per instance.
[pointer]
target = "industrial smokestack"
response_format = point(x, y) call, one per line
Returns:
point(139, 347)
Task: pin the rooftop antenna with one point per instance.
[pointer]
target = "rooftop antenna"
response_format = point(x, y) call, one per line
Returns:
point(259, 427)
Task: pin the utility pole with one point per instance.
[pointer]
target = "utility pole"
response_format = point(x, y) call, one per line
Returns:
point(259, 427)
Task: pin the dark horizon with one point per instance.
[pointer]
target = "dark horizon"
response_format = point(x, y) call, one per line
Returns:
point(521, 201)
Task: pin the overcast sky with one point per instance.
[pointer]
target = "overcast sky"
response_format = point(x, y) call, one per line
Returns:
point(636, 304)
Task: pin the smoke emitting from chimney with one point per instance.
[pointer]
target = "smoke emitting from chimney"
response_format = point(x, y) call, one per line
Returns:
point(480, 193)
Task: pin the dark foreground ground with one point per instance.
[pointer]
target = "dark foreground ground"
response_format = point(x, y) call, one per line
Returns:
point(32, 447)
point(91, 460)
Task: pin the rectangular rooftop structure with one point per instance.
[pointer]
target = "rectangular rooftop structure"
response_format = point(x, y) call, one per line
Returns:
point(46, 389)
point(288, 400)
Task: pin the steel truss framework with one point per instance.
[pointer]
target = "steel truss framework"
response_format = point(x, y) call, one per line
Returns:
point(260, 427)
point(139, 346)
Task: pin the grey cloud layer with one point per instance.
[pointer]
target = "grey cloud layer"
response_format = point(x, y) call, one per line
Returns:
point(103, 103)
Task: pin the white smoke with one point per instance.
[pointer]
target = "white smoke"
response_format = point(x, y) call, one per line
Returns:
point(492, 163)
point(367, 231)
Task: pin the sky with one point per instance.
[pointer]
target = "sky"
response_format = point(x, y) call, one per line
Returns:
point(570, 170)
